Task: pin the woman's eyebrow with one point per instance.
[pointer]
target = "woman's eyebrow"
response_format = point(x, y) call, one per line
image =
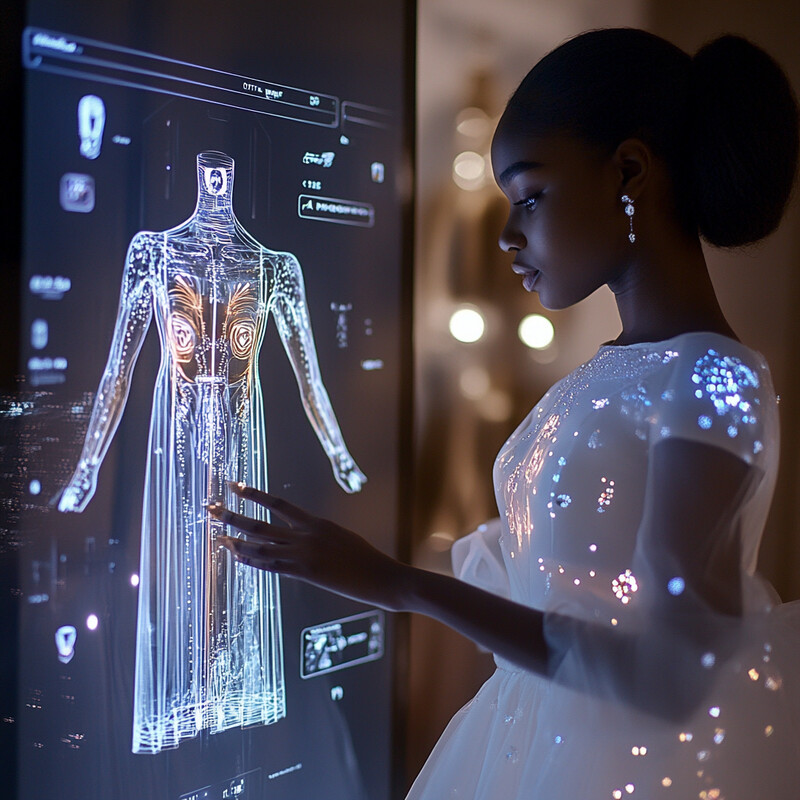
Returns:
point(509, 173)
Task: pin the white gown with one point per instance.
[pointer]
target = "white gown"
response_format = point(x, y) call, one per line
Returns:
point(571, 486)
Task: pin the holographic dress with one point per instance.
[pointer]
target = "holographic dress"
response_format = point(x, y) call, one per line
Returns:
point(209, 646)
point(612, 721)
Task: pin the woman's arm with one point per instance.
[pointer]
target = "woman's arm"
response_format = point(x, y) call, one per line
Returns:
point(325, 554)
point(689, 531)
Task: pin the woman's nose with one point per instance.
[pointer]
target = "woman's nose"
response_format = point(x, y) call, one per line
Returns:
point(511, 239)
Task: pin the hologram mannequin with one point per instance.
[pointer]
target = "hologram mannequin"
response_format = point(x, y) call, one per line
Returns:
point(208, 643)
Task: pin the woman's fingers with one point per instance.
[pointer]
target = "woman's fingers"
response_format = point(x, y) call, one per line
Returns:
point(257, 528)
point(253, 554)
point(283, 508)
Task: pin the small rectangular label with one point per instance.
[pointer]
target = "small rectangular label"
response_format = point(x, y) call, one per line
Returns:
point(243, 787)
point(332, 209)
point(341, 643)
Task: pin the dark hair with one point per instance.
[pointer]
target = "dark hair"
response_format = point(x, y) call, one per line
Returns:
point(725, 122)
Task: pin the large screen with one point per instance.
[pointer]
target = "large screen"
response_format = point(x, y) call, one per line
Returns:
point(214, 288)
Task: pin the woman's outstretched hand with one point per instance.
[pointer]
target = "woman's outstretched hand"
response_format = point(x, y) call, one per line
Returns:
point(312, 549)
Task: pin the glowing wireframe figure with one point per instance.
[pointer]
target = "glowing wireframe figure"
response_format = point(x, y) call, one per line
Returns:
point(208, 641)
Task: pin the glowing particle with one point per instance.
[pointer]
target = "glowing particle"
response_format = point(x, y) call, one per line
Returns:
point(713, 711)
point(708, 660)
point(676, 586)
point(753, 673)
point(629, 788)
point(34, 487)
point(134, 580)
point(92, 622)
point(769, 730)
point(666, 781)
point(704, 422)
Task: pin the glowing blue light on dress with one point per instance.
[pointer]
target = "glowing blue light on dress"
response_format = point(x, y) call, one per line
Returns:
point(676, 586)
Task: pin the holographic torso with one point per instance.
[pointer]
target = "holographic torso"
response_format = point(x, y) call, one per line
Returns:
point(571, 486)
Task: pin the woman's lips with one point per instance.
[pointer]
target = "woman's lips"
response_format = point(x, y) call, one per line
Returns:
point(529, 275)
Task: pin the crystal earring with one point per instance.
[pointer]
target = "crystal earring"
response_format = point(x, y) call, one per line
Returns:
point(629, 210)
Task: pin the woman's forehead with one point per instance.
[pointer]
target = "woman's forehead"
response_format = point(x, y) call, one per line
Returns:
point(516, 151)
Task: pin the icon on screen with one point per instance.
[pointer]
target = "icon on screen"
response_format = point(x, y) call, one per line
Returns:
point(39, 334)
point(65, 643)
point(77, 192)
point(322, 159)
point(216, 180)
point(378, 171)
point(91, 122)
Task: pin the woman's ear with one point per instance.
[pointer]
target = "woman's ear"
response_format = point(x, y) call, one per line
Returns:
point(633, 160)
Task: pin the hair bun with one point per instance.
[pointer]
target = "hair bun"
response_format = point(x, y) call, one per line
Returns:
point(743, 139)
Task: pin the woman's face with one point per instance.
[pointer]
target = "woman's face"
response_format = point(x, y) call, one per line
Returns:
point(566, 224)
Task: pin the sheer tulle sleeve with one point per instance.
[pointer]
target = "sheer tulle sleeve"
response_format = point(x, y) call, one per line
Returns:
point(720, 396)
point(478, 560)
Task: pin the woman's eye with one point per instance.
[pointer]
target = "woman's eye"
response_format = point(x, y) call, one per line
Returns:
point(529, 203)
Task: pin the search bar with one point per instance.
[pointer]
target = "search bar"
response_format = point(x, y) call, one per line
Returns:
point(76, 56)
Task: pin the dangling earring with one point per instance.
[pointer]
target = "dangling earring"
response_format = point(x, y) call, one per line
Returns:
point(629, 210)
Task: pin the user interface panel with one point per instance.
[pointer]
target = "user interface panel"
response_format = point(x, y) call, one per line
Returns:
point(214, 290)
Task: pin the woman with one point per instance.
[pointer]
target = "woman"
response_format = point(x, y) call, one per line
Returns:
point(637, 652)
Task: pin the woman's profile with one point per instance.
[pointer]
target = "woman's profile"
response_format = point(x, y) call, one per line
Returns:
point(638, 652)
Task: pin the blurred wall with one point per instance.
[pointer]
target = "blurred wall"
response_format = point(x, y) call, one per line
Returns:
point(470, 396)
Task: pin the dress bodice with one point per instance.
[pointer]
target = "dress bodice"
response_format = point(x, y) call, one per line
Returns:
point(571, 480)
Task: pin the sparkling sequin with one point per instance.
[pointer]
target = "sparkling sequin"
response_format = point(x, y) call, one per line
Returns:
point(606, 495)
point(563, 500)
point(727, 382)
point(624, 585)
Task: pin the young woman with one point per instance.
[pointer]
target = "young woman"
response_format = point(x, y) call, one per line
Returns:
point(638, 653)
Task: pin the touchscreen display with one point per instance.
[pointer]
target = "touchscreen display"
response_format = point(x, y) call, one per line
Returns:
point(214, 289)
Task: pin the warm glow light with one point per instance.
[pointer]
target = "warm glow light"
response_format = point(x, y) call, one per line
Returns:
point(469, 170)
point(467, 324)
point(473, 122)
point(92, 622)
point(536, 331)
